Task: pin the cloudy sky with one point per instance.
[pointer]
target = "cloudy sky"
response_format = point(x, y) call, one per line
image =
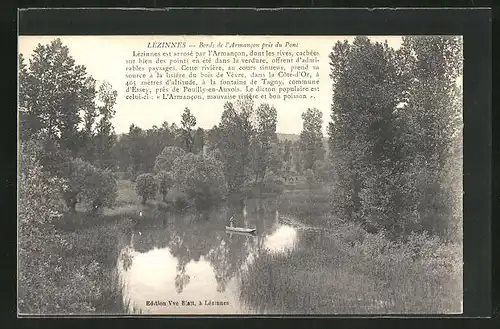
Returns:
point(104, 58)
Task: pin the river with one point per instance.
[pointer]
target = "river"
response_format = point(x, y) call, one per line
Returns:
point(189, 264)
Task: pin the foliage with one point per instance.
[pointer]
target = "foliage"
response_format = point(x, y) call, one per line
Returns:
point(392, 132)
point(200, 178)
point(311, 137)
point(188, 121)
point(43, 281)
point(93, 187)
point(53, 90)
point(105, 137)
point(146, 187)
point(262, 139)
point(165, 160)
point(235, 131)
point(165, 182)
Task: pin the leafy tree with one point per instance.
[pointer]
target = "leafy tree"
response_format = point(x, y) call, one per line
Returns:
point(166, 158)
point(198, 140)
point(366, 92)
point(105, 136)
point(311, 137)
point(188, 122)
point(264, 136)
point(213, 138)
point(431, 125)
point(53, 91)
point(94, 187)
point(235, 134)
point(136, 149)
point(200, 178)
point(395, 118)
point(146, 187)
point(165, 182)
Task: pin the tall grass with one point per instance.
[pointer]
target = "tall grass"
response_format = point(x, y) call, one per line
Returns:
point(353, 272)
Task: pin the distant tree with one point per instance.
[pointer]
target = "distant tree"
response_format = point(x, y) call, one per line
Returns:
point(188, 122)
point(287, 152)
point(165, 182)
point(235, 134)
point(166, 158)
point(310, 178)
point(311, 137)
point(213, 138)
point(198, 140)
point(146, 187)
point(105, 136)
point(264, 136)
point(200, 178)
point(136, 149)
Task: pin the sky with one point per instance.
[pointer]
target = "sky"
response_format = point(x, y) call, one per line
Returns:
point(104, 57)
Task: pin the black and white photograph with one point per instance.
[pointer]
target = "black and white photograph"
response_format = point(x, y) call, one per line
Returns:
point(240, 175)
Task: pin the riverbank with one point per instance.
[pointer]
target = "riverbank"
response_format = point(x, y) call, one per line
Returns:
point(352, 271)
point(338, 268)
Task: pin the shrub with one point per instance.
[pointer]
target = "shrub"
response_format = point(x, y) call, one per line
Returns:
point(166, 158)
point(165, 182)
point(146, 187)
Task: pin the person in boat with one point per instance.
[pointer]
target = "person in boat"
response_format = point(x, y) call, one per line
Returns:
point(231, 221)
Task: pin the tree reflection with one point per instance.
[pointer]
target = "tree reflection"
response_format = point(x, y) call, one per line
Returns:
point(193, 236)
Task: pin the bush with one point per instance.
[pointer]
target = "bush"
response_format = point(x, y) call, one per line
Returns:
point(146, 187)
point(166, 158)
point(200, 178)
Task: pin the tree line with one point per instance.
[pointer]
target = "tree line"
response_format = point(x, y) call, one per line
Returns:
point(393, 137)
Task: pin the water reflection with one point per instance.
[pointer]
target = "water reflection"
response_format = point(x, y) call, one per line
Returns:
point(192, 266)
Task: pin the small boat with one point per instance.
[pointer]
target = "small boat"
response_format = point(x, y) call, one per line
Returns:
point(240, 229)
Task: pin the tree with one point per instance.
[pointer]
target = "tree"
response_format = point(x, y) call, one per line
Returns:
point(188, 122)
point(431, 125)
point(146, 187)
point(105, 136)
point(264, 136)
point(93, 187)
point(53, 91)
point(201, 178)
point(235, 134)
point(395, 118)
point(367, 89)
point(213, 138)
point(166, 158)
point(198, 140)
point(311, 137)
point(136, 148)
point(165, 182)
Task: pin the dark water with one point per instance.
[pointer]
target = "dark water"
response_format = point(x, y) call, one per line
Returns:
point(189, 264)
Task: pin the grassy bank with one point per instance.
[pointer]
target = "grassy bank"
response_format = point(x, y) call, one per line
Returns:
point(348, 270)
point(95, 243)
